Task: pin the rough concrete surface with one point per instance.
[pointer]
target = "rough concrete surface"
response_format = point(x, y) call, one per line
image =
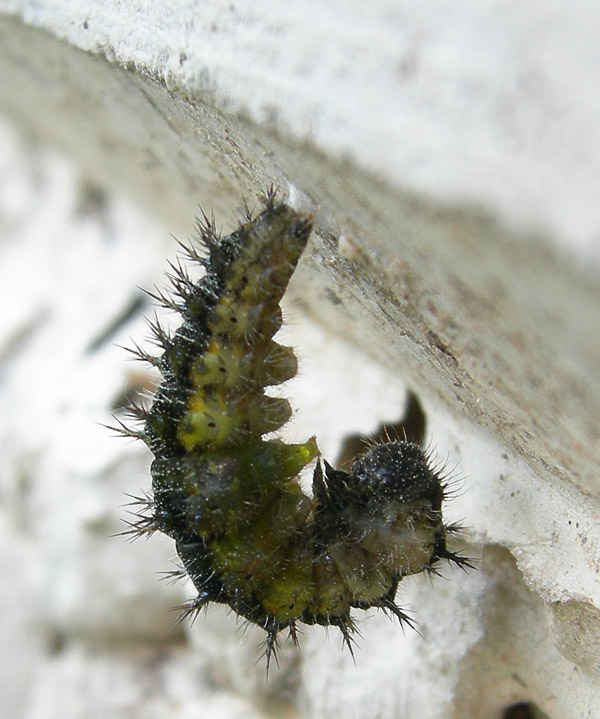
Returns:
point(449, 156)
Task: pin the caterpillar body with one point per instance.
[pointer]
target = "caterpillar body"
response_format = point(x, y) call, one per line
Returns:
point(246, 533)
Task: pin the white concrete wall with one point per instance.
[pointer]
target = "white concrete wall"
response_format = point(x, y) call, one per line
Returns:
point(449, 153)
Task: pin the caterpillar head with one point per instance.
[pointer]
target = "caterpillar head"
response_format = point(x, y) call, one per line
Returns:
point(389, 505)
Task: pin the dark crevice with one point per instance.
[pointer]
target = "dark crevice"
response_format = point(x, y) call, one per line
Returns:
point(523, 710)
point(411, 427)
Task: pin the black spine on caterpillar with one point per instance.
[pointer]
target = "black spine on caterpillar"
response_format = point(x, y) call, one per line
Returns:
point(247, 535)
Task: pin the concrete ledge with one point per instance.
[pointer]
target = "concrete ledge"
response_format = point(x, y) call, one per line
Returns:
point(491, 104)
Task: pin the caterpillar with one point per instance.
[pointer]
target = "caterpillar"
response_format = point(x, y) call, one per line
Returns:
point(245, 532)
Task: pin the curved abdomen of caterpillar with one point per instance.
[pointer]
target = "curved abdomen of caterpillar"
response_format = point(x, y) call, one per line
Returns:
point(246, 533)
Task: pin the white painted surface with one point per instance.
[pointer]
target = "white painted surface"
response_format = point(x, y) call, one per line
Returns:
point(85, 613)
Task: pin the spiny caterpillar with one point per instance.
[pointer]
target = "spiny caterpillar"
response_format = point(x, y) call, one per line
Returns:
point(247, 535)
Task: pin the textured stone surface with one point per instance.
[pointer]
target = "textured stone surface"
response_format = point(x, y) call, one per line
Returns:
point(493, 328)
